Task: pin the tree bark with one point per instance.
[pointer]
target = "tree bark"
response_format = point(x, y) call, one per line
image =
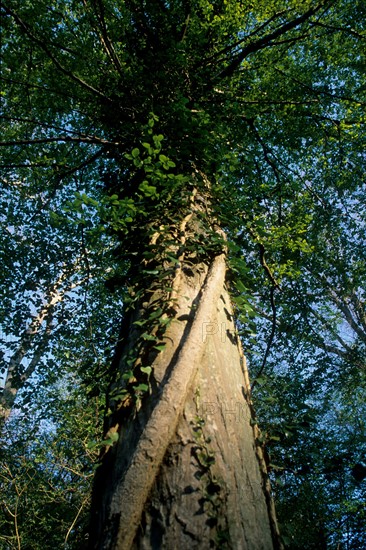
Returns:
point(16, 375)
point(187, 471)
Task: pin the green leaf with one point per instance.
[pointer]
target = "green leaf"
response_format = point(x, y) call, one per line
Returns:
point(140, 323)
point(148, 337)
point(146, 370)
point(113, 438)
point(155, 314)
point(141, 388)
point(160, 347)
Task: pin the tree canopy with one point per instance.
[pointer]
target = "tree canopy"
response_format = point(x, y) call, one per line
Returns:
point(114, 115)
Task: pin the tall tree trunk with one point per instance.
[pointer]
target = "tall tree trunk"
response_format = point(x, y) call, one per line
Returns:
point(185, 470)
point(17, 374)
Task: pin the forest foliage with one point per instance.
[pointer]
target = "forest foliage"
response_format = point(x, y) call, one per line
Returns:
point(108, 109)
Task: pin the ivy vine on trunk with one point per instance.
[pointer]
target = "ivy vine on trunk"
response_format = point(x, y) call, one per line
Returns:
point(163, 147)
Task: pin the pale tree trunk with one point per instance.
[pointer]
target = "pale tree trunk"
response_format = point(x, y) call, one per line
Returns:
point(186, 471)
point(16, 375)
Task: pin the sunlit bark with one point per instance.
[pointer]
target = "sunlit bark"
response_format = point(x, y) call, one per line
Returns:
point(186, 471)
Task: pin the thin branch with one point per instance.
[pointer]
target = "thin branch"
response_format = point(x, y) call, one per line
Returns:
point(87, 139)
point(337, 121)
point(345, 355)
point(288, 41)
point(26, 29)
point(274, 286)
point(266, 268)
point(257, 31)
point(103, 35)
point(360, 310)
point(75, 519)
point(185, 28)
point(14, 514)
point(42, 124)
point(85, 255)
point(268, 40)
point(44, 88)
point(27, 165)
point(343, 306)
point(266, 152)
point(321, 92)
point(327, 324)
point(60, 175)
point(262, 258)
point(334, 350)
point(333, 28)
point(271, 337)
point(274, 102)
point(16, 527)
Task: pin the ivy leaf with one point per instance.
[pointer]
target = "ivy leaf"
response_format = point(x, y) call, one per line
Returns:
point(146, 370)
point(148, 337)
point(160, 347)
point(113, 438)
point(141, 388)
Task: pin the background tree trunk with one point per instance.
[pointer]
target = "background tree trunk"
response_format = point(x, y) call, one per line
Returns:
point(17, 374)
point(186, 472)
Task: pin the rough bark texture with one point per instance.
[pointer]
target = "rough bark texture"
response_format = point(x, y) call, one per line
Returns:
point(185, 471)
point(208, 492)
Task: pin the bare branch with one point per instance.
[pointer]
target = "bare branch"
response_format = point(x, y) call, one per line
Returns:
point(360, 311)
point(266, 152)
point(85, 501)
point(334, 350)
point(262, 258)
point(37, 87)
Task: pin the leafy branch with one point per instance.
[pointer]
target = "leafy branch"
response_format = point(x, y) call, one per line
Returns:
point(103, 34)
point(268, 40)
point(28, 31)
